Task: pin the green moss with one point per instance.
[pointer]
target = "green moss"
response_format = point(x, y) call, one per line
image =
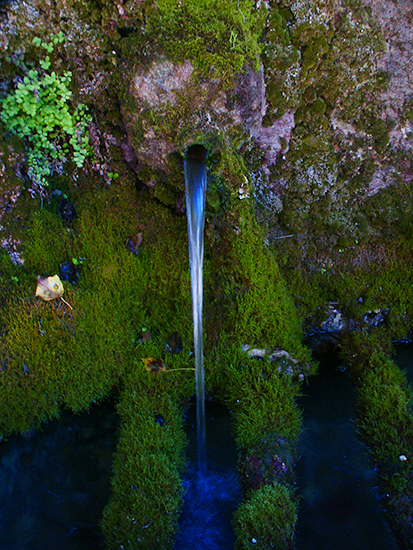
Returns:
point(266, 519)
point(377, 128)
point(318, 106)
point(277, 100)
point(333, 72)
point(264, 314)
point(262, 402)
point(408, 109)
point(47, 244)
point(313, 53)
point(75, 357)
point(279, 57)
point(55, 357)
point(214, 36)
point(147, 491)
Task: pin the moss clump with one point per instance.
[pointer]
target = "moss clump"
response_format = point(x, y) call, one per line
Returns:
point(332, 72)
point(246, 297)
point(266, 519)
point(147, 491)
point(56, 356)
point(267, 422)
point(216, 37)
point(264, 313)
point(361, 277)
point(261, 398)
point(247, 302)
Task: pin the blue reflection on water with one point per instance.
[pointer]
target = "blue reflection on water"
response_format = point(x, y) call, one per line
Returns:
point(54, 483)
point(211, 496)
point(210, 501)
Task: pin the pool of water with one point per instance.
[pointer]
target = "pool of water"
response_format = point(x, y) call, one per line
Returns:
point(213, 496)
point(54, 483)
point(339, 507)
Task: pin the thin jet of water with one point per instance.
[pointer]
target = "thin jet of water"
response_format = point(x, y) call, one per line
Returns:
point(195, 186)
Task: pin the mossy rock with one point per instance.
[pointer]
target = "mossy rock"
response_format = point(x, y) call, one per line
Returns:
point(266, 519)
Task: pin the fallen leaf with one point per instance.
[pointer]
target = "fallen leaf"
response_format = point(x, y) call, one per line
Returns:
point(153, 364)
point(50, 288)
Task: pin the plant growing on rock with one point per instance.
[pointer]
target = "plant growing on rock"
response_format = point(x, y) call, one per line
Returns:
point(39, 110)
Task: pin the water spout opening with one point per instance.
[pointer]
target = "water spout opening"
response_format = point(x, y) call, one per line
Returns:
point(196, 153)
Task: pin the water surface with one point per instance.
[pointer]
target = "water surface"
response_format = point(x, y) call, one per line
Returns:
point(54, 483)
point(212, 496)
point(404, 359)
point(340, 507)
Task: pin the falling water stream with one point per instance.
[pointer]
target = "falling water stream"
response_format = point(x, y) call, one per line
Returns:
point(211, 495)
point(195, 186)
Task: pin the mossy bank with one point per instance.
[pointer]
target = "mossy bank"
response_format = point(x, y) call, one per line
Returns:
point(308, 202)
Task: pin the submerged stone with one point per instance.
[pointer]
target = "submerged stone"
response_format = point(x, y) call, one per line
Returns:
point(159, 419)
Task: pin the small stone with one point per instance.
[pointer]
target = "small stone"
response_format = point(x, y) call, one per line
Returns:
point(254, 541)
point(159, 419)
point(257, 353)
point(403, 458)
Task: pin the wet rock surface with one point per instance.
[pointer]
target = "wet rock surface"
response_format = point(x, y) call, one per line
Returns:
point(205, 107)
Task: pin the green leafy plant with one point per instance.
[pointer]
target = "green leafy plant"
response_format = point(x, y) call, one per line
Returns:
point(39, 110)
